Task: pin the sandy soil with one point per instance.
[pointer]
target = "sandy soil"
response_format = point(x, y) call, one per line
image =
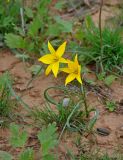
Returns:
point(33, 96)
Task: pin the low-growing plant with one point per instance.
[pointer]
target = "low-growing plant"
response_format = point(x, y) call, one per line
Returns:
point(9, 17)
point(108, 57)
point(48, 140)
point(109, 79)
point(27, 154)
point(18, 139)
point(5, 155)
point(59, 115)
point(5, 95)
point(39, 24)
point(7, 104)
point(111, 105)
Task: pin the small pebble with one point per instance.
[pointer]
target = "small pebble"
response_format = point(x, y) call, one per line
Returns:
point(121, 102)
point(1, 44)
point(103, 131)
point(65, 102)
point(121, 128)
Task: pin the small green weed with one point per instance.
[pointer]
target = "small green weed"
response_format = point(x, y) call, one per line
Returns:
point(39, 24)
point(7, 102)
point(5, 95)
point(48, 140)
point(5, 156)
point(111, 106)
point(18, 139)
point(28, 154)
point(109, 79)
point(9, 13)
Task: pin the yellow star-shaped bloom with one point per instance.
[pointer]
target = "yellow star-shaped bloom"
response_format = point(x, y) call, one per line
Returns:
point(54, 58)
point(74, 71)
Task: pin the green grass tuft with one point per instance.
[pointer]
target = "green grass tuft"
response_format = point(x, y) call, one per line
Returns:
point(6, 102)
point(107, 58)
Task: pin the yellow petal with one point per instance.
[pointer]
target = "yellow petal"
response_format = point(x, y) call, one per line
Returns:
point(66, 70)
point(50, 47)
point(60, 51)
point(47, 59)
point(70, 78)
point(63, 60)
point(48, 70)
point(76, 60)
point(79, 69)
point(69, 61)
point(55, 68)
point(79, 79)
point(72, 66)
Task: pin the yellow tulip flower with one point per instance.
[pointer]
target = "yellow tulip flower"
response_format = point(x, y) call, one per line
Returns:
point(54, 58)
point(74, 71)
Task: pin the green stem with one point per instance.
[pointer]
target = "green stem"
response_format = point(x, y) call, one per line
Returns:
point(100, 30)
point(84, 100)
point(100, 23)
